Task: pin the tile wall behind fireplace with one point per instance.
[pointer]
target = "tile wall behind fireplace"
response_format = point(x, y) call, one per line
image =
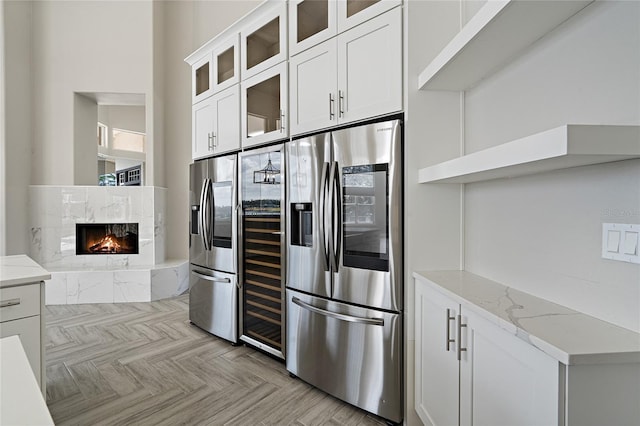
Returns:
point(55, 211)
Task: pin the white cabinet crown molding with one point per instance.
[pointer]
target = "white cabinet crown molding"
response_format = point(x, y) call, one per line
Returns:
point(559, 148)
point(495, 35)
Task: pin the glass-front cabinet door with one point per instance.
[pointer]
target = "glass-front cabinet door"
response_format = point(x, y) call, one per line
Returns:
point(226, 63)
point(264, 107)
point(354, 12)
point(310, 22)
point(201, 79)
point(262, 248)
point(264, 41)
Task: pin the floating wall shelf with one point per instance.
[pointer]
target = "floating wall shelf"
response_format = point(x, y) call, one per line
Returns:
point(563, 147)
point(493, 37)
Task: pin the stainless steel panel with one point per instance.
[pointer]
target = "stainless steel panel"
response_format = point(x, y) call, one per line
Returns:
point(198, 172)
point(223, 171)
point(212, 191)
point(213, 301)
point(378, 143)
point(307, 176)
point(352, 353)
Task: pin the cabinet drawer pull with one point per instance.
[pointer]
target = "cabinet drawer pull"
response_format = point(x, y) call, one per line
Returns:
point(10, 302)
point(460, 348)
point(449, 339)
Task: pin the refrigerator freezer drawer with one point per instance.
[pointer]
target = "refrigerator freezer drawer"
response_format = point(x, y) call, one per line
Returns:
point(213, 301)
point(350, 352)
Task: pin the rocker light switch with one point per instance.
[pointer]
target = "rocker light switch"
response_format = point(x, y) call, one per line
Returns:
point(630, 243)
point(613, 241)
point(620, 242)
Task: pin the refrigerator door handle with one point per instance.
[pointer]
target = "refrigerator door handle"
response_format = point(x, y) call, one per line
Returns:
point(323, 216)
point(341, 317)
point(212, 197)
point(203, 215)
point(210, 278)
point(335, 200)
point(240, 250)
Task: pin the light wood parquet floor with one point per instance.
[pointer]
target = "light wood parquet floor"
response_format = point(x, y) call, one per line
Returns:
point(145, 364)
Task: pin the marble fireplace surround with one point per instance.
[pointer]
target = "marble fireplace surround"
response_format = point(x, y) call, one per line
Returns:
point(54, 212)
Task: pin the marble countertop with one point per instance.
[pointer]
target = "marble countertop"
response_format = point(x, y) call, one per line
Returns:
point(20, 397)
point(569, 336)
point(20, 270)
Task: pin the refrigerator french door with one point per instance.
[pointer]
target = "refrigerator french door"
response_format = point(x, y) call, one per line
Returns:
point(213, 294)
point(261, 236)
point(344, 268)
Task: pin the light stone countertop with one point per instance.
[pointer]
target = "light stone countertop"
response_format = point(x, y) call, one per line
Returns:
point(20, 397)
point(19, 270)
point(569, 336)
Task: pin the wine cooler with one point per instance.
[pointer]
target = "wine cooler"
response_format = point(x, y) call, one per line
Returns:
point(262, 249)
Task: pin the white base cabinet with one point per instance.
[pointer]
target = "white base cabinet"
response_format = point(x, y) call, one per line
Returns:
point(476, 364)
point(21, 315)
point(469, 372)
point(354, 76)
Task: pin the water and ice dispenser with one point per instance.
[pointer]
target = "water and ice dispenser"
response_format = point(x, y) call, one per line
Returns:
point(302, 224)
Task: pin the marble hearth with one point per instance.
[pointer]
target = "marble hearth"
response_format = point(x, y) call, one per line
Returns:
point(90, 278)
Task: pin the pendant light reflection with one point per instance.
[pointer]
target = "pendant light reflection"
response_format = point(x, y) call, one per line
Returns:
point(268, 175)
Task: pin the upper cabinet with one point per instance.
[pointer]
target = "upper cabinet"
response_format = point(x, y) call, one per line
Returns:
point(341, 81)
point(263, 39)
point(216, 124)
point(264, 107)
point(226, 62)
point(214, 67)
point(201, 79)
point(314, 21)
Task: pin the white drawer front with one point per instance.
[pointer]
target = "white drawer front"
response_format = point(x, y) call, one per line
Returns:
point(19, 302)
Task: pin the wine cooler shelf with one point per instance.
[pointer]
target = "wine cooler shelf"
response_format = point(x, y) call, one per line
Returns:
point(263, 279)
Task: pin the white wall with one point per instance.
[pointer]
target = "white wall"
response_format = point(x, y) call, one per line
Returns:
point(97, 46)
point(127, 117)
point(432, 134)
point(188, 25)
point(85, 146)
point(16, 150)
point(542, 234)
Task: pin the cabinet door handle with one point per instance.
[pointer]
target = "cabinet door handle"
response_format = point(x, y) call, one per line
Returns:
point(281, 120)
point(340, 104)
point(10, 302)
point(449, 339)
point(210, 140)
point(460, 348)
point(331, 102)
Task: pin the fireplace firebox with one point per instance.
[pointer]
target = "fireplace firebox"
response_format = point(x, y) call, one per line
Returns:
point(106, 238)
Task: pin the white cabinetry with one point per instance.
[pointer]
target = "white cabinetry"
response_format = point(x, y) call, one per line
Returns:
point(314, 21)
point(354, 76)
point(216, 124)
point(264, 107)
point(20, 314)
point(226, 63)
point(477, 364)
point(470, 372)
point(263, 39)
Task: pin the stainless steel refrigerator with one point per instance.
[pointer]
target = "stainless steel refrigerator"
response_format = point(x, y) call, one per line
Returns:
point(344, 265)
point(213, 294)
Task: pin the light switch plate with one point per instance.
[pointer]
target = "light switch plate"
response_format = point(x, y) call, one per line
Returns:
point(620, 241)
